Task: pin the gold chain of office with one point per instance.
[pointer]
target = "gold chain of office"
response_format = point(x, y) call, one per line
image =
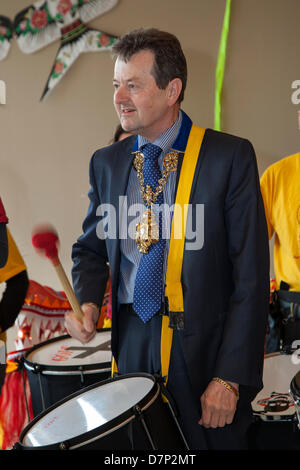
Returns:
point(147, 231)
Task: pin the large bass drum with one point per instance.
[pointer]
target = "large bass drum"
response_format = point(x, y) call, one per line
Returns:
point(61, 366)
point(123, 413)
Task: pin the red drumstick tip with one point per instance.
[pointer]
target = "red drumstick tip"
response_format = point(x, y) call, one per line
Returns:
point(45, 241)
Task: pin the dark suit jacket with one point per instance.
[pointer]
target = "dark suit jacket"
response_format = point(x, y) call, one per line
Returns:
point(225, 283)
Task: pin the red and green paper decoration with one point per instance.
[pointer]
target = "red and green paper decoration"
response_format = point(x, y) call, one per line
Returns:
point(47, 21)
point(6, 34)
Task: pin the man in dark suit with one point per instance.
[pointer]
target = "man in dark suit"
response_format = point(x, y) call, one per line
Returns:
point(218, 336)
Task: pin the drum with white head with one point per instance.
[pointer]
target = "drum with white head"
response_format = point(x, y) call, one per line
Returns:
point(61, 366)
point(273, 408)
point(123, 413)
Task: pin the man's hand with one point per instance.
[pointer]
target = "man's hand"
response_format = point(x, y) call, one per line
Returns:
point(86, 330)
point(218, 405)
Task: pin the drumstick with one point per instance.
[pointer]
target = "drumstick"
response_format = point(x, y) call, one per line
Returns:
point(45, 241)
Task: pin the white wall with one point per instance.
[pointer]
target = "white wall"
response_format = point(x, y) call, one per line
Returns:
point(46, 146)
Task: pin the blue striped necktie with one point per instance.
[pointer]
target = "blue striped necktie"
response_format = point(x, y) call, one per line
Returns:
point(148, 288)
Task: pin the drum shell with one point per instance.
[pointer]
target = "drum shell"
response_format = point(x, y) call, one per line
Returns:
point(57, 387)
point(56, 383)
point(126, 432)
point(270, 435)
point(295, 388)
point(295, 392)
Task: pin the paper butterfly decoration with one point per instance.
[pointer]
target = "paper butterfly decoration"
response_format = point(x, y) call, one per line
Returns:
point(49, 20)
point(6, 34)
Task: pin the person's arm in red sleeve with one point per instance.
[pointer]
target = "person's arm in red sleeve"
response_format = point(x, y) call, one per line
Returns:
point(3, 236)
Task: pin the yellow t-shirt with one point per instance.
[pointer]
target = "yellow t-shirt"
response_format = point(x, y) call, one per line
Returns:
point(280, 188)
point(15, 263)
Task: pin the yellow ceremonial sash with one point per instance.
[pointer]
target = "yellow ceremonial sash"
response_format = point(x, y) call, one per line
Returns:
point(176, 249)
point(175, 258)
point(114, 367)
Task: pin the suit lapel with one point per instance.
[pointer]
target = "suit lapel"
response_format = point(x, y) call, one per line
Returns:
point(121, 167)
point(198, 166)
point(180, 144)
point(120, 170)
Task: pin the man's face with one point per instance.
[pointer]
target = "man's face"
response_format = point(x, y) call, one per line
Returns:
point(143, 108)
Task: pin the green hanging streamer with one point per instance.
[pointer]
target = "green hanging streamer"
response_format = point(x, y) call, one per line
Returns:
point(221, 66)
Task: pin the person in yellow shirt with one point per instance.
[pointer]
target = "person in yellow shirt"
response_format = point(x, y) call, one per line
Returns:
point(281, 195)
point(14, 274)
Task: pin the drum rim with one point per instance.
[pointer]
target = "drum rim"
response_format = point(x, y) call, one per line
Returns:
point(47, 369)
point(280, 353)
point(93, 434)
point(294, 389)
